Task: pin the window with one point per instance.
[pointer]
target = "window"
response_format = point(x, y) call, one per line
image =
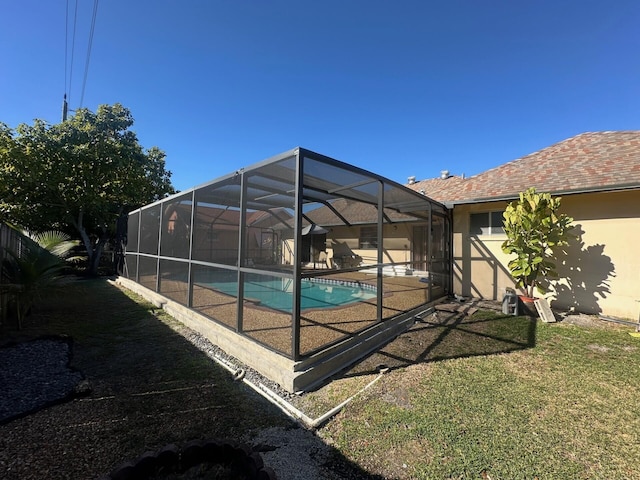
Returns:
point(368, 237)
point(486, 223)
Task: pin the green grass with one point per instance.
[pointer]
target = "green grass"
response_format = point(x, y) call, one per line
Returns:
point(568, 407)
point(485, 397)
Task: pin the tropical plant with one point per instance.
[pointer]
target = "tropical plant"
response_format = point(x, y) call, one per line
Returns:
point(38, 263)
point(535, 229)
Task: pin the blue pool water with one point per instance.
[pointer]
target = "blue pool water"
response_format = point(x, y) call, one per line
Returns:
point(277, 293)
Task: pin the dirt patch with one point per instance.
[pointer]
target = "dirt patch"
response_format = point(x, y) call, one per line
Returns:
point(598, 348)
point(591, 321)
point(399, 397)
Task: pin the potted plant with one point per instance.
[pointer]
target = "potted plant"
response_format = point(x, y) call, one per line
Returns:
point(534, 229)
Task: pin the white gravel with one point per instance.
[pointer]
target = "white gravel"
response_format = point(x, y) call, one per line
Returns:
point(34, 375)
point(294, 454)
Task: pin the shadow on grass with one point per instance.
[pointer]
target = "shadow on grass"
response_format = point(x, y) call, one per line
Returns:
point(444, 335)
point(151, 387)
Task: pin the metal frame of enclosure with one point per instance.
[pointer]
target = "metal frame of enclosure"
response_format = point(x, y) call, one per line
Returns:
point(295, 222)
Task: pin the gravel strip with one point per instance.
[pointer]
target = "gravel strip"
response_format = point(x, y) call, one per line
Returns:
point(34, 375)
point(216, 353)
point(294, 454)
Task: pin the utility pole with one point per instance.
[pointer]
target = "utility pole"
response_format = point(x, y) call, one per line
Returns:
point(64, 108)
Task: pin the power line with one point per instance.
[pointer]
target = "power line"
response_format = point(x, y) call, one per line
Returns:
point(66, 49)
point(67, 67)
point(86, 65)
point(66, 45)
point(73, 48)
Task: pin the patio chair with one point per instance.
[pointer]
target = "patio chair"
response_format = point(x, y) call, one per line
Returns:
point(323, 259)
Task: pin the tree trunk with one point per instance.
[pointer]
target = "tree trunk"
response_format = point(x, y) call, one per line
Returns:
point(94, 261)
point(94, 251)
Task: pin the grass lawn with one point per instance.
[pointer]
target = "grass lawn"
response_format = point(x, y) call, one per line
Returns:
point(480, 397)
point(568, 407)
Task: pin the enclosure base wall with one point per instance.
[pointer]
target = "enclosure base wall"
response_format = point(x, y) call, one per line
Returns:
point(291, 375)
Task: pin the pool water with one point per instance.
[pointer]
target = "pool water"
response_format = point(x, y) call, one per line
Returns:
point(277, 293)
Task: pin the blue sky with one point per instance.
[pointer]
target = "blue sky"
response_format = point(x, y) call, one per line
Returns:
point(399, 88)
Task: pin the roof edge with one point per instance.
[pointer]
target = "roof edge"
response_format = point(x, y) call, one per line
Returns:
point(574, 191)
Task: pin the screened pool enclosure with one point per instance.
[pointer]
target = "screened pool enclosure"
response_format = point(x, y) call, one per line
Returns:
point(301, 261)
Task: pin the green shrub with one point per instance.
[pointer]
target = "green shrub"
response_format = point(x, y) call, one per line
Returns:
point(534, 229)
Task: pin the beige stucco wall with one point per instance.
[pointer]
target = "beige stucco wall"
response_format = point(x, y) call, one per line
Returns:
point(478, 262)
point(397, 243)
point(343, 240)
point(600, 273)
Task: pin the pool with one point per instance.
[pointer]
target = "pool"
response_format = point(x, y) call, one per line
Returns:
point(277, 293)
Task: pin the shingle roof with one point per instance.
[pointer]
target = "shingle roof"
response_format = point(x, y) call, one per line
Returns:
point(595, 161)
point(354, 212)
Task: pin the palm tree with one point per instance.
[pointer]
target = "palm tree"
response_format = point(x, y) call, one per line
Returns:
point(36, 266)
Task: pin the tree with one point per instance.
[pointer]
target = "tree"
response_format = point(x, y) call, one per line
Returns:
point(534, 229)
point(79, 175)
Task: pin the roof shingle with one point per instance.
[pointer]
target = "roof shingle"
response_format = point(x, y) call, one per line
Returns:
point(594, 161)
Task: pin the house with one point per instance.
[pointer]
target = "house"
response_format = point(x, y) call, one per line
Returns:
point(598, 177)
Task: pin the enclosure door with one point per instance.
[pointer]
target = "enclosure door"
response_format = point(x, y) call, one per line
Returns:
point(312, 245)
point(306, 249)
point(420, 248)
point(440, 267)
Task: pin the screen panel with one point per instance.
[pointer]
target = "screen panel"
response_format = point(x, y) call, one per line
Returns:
point(176, 227)
point(215, 293)
point(148, 272)
point(133, 224)
point(174, 280)
point(217, 222)
point(150, 229)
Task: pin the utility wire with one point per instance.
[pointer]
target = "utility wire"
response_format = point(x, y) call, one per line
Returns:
point(73, 47)
point(66, 45)
point(86, 65)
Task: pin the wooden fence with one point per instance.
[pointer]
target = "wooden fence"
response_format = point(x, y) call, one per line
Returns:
point(10, 239)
